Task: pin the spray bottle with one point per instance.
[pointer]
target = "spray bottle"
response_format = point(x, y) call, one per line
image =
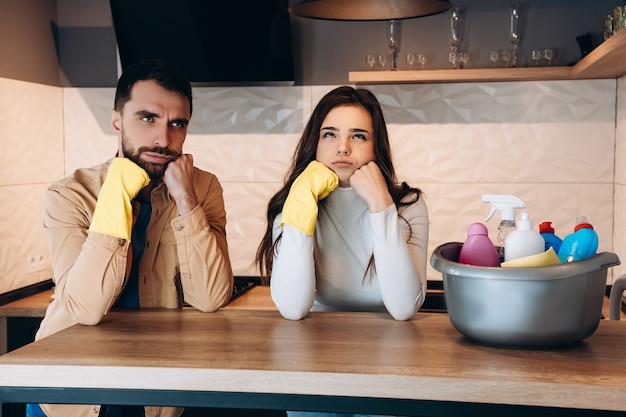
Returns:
point(507, 205)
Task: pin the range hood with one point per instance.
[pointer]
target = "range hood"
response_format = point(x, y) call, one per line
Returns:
point(243, 42)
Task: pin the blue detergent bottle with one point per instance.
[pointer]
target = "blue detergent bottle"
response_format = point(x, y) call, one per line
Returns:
point(581, 244)
point(547, 233)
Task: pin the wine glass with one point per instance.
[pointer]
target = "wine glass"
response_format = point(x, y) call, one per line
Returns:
point(515, 34)
point(416, 60)
point(411, 59)
point(494, 58)
point(535, 57)
point(455, 37)
point(548, 56)
point(463, 60)
point(421, 60)
point(453, 59)
point(608, 26)
point(394, 28)
point(383, 61)
point(506, 58)
point(619, 18)
point(370, 60)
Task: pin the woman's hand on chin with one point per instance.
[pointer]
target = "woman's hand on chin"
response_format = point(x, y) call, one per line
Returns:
point(368, 182)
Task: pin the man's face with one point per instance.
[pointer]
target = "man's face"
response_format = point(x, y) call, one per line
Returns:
point(152, 126)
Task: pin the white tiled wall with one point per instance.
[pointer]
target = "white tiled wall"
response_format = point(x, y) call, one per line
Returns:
point(619, 220)
point(550, 143)
point(31, 155)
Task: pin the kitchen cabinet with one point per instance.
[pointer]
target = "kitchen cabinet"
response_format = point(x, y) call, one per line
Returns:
point(608, 60)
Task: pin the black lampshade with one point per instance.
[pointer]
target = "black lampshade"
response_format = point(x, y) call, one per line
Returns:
point(368, 9)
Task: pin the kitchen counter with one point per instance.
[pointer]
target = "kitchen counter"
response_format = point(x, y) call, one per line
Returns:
point(254, 298)
point(363, 362)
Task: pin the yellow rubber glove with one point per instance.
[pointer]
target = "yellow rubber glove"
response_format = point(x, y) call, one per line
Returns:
point(314, 184)
point(114, 214)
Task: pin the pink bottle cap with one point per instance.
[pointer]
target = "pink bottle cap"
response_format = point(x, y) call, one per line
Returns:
point(477, 229)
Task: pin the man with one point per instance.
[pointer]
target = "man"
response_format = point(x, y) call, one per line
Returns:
point(145, 229)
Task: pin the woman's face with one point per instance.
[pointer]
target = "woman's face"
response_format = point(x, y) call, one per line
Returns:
point(346, 141)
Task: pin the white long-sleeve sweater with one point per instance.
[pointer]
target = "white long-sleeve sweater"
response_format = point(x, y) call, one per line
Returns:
point(327, 271)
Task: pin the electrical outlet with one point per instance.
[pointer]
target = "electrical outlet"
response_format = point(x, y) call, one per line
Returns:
point(36, 262)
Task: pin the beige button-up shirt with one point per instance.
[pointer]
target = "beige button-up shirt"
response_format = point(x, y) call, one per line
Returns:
point(185, 260)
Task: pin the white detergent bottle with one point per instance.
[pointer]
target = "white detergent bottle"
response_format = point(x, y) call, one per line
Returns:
point(523, 241)
point(506, 204)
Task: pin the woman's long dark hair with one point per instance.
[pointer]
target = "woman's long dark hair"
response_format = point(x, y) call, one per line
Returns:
point(306, 151)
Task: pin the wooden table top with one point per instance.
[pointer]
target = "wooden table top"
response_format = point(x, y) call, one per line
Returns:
point(32, 306)
point(256, 298)
point(346, 354)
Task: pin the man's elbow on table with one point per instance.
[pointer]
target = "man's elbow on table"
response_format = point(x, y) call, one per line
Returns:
point(210, 304)
point(89, 318)
point(207, 307)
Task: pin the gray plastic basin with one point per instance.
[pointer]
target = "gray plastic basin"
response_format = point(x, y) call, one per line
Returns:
point(547, 306)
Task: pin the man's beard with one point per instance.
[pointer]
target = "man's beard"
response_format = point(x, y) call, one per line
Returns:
point(155, 171)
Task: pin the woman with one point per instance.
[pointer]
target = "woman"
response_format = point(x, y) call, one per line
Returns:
point(342, 233)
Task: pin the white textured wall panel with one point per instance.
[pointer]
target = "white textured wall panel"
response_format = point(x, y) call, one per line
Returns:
point(619, 236)
point(89, 138)
point(245, 136)
point(31, 157)
point(246, 205)
point(31, 129)
point(242, 157)
point(551, 143)
point(257, 110)
point(620, 133)
point(21, 231)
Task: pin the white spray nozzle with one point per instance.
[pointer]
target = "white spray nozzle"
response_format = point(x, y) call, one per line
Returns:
point(505, 203)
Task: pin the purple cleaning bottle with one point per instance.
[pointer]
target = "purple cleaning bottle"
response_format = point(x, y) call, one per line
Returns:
point(478, 249)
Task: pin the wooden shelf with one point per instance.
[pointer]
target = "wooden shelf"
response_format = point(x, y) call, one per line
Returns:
point(608, 60)
point(459, 76)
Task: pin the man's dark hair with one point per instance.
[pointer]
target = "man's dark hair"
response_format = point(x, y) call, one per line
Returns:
point(165, 74)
